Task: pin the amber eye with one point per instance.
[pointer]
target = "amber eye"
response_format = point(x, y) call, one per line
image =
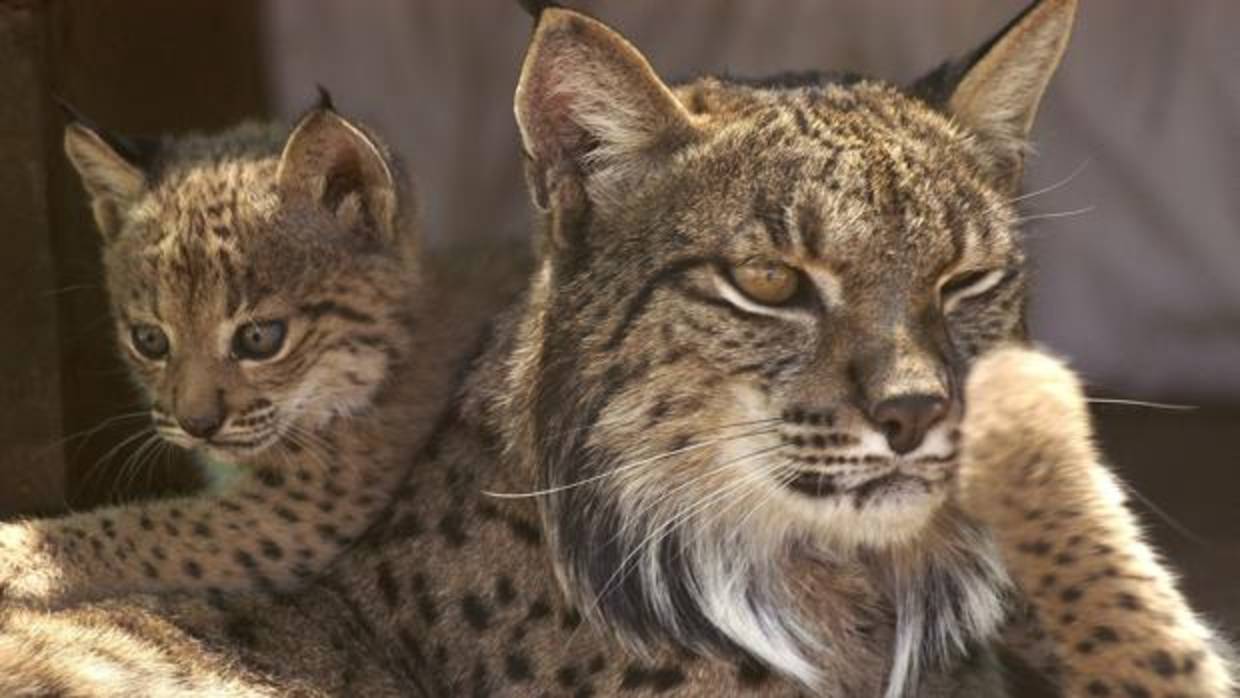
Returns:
point(258, 340)
point(766, 282)
point(150, 341)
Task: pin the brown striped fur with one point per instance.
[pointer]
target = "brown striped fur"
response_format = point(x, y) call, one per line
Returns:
point(601, 512)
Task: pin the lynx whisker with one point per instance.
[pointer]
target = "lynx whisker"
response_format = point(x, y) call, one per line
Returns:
point(613, 472)
point(1052, 187)
point(666, 528)
point(1142, 403)
point(1054, 214)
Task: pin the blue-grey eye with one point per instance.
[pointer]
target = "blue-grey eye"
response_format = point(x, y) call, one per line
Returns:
point(150, 341)
point(257, 341)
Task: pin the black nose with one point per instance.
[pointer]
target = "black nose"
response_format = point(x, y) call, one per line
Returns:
point(201, 426)
point(906, 419)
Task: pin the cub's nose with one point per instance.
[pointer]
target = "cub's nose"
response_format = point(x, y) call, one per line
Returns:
point(905, 419)
point(201, 426)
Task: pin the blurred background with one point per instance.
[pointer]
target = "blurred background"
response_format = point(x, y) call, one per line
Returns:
point(1135, 237)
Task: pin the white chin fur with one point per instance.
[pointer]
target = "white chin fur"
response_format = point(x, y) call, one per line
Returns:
point(894, 518)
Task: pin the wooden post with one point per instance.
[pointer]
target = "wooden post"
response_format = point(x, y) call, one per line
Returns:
point(31, 461)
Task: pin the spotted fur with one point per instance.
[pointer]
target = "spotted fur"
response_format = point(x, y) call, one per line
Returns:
point(652, 484)
point(1115, 621)
point(204, 235)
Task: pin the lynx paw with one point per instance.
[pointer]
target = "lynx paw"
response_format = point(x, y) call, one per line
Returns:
point(1026, 427)
point(27, 571)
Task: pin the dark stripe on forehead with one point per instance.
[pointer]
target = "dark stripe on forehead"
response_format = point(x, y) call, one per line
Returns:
point(810, 226)
point(639, 300)
point(231, 281)
point(770, 213)
point(320, 309)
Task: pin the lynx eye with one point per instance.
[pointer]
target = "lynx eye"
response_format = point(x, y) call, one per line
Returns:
point(969, 284)
point(766, 282)
point(150, 341)
point(257, 341)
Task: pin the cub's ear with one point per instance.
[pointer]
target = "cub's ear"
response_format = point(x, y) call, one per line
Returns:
point(112, 172)
point(997, 89)
point(591, 110)
point(332, 163)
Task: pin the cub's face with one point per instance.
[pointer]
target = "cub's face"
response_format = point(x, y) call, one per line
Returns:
point(249, 306)
point(755, 312)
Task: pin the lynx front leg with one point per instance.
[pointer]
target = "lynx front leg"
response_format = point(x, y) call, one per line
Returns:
point(1116, 622)
point(271, 529)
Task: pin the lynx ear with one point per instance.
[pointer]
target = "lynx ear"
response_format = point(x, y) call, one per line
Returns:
point(335, 165)
point(998, 91)
point(110, 172)
point(590, 109)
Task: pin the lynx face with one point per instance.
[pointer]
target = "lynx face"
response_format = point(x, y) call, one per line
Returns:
point(250, 286)
point(758, 304)
point(803, 284)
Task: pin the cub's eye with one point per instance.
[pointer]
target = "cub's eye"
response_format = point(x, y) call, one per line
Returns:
point(970, 283)
point(257, 341)
point(766, 282)
point(150, 341)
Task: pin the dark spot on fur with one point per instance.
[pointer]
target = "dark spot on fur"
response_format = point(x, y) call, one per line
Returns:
point(1039, 547)
point(658, 680)
point(270, 477)
point(270, 549)
point(525, 531)
point(1097, 688)
point(452, 526)
point(1162, 663)
point(287, 514)
point(476, 612)
point(201, 529)
point(1070, 594)
point(1105, 633)
point(240, 629)
point(566, 676)
point(386, 584)
point(505, 593)
point(750, 674)
point(517, 667)
point(245, 559)
point(539, 609)
point(193, 569)
point(1135, 691)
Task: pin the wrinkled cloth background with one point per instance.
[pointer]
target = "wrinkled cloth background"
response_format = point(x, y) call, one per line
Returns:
point(1139, 135)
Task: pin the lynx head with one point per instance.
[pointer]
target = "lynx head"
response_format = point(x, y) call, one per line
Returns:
point(757, 303)
point(261, 280)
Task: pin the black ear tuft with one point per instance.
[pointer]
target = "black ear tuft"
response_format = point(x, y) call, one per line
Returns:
point(996, 89)
point(535, 7)
point(139, 152)
point(325, 99)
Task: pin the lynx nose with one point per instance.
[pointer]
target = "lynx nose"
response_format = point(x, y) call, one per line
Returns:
point(905, 419)
point(201, 426)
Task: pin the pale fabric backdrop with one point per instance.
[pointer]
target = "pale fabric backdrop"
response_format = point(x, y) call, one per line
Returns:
point(1142, 290)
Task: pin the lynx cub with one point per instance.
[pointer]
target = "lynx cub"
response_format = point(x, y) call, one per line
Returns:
point(265, 285)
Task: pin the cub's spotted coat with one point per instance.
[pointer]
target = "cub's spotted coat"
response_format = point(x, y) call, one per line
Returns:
point(303, 239)
point(709, 489)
